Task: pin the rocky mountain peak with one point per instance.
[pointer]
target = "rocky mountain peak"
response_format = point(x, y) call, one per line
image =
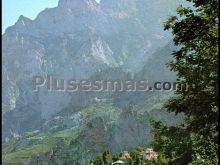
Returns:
point(23, 18)
point(78, 39)
point(23, 21)
point(21, 25)
point(78, 4)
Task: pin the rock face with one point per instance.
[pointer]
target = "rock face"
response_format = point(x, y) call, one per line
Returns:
point(80, 39)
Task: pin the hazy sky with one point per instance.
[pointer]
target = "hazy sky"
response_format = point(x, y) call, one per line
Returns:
point(12, 9)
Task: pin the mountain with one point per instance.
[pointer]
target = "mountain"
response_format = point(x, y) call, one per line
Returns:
point(83, 39)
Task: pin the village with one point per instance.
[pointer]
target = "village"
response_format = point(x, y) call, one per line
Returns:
point(147, 155)
point(135, 157)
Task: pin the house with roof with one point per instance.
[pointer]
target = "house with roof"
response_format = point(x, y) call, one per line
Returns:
point(149, 154)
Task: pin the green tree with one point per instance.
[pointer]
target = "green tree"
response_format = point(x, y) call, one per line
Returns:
point(115, 157)
point(107, 157)
point(195, 31)
point(98, 161)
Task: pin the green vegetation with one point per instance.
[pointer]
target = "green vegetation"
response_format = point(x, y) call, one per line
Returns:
point(196, 63)
point(134, 157)
point(40, 143)
point(195, 142)
point(77, 144)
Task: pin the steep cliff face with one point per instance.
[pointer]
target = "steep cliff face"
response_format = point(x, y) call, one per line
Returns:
point(81, 39)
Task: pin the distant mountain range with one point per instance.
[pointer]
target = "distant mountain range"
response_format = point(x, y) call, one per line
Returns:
point(83, 39)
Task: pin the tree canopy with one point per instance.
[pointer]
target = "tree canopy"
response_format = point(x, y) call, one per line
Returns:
point(195, 31)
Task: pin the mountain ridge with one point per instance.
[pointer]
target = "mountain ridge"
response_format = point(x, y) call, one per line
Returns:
point(110, 40)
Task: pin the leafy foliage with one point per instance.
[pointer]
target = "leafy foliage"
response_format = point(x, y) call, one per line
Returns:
point(195, 32)
point(108, 158)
